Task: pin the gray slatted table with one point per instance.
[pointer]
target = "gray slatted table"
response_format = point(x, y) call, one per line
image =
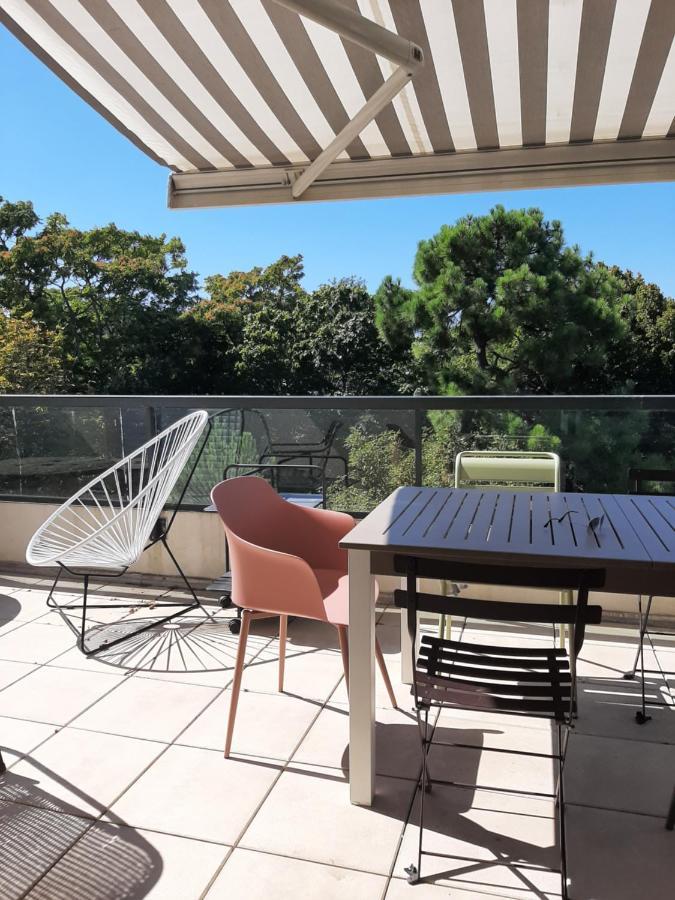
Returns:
point(632, 538)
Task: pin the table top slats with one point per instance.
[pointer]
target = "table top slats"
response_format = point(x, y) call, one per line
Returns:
point(543, 534)
point(479, 531)
point(502, 526)
point(520, 530)
point(447, 512)
point(418, 518)
point(562, 524)
point(652, 518)
point(500, 529)
point(457, 528)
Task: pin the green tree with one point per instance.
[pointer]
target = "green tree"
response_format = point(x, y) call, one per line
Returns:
point(31, 357)
point(116, 297)
point(338, 345)
point(504, 305)
point(645, 358)
point(240, 310)
point(266, 334)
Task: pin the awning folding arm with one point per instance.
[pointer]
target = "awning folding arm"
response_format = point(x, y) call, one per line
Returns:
point(352, 26)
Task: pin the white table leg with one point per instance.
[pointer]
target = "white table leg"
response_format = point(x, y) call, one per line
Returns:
point(361, 679)
point(406, 655)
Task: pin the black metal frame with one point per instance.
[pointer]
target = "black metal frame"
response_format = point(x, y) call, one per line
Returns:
point(637, 478)
point(289, 452)
point(417, 405)
point(184, 607)
point(162, 531)
point(576, 617)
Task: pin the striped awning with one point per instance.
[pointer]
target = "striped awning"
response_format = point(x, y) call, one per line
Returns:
point(239, 97)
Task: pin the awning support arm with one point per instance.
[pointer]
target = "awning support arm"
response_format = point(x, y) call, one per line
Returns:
point(354, 27)
point(357, 28)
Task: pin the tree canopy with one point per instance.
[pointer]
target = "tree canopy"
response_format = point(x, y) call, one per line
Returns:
point(501, 304)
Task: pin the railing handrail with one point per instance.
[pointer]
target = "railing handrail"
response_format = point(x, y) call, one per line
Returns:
point(607, 402)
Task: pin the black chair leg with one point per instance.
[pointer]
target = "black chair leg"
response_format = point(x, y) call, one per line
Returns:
point(641, 715)
point(560, 803)
point(414, 872)
point(3, 768)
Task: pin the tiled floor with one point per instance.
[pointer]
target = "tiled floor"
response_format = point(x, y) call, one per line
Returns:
point(117, 786)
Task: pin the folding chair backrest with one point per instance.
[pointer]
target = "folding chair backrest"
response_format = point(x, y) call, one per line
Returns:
point(651, 481)
point(517, 470)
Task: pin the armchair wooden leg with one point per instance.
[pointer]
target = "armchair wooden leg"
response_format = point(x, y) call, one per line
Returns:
point(236, 683)
point(283, 631)
point(385, 675)
point(344, 650)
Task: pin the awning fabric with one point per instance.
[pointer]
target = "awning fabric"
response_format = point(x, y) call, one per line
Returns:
point(238, 97)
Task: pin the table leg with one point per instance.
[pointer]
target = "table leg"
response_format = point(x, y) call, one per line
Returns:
point(361, 679)
point(406, 655)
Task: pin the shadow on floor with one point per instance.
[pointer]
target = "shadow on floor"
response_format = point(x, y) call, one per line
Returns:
point(50, 852)
point(9, 608)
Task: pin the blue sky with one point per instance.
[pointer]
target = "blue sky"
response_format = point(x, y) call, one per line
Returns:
point(59, 153)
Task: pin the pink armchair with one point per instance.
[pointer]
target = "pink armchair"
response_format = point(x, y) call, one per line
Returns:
point(285, 562)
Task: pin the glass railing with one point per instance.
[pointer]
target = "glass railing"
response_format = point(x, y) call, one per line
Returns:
point(351, 450)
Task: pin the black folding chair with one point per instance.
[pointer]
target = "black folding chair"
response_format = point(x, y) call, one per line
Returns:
point(523, 681)
point(641, 480)
point(318, 454)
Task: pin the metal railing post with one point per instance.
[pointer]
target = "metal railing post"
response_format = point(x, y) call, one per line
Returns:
point(419, 466)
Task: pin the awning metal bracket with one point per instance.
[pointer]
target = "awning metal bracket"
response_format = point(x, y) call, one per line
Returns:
point(354, 27)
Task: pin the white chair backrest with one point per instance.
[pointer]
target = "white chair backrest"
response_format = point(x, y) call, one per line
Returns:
point(108, 522)
point(517, 470)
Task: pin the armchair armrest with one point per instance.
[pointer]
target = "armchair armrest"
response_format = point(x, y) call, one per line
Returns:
point(273, 581)
point(328, 527)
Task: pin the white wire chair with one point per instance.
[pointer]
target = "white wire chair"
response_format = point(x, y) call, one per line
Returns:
point(109, 522)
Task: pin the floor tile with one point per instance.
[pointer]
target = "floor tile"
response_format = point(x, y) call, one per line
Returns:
point(12, 671)
point(52, 616)
point(402, 692)
point(398, 749)
point(623, 775)
point(21, 604)
point(11, 582)
point(248, 875)
point(197, 793)
point(266, 724)
point(35, 643)
point(8, 625)
point(32, 841)
point(18, 737)
point(493, 843)
point(618, 856)
point(55, 695)
point(78, 772)
point(310, 674)
point(400, 890)
point(308, 815)
point(307, 634)
point(143, 708)
point(609, 659)
point(76, 659)
point(485, 764)
point(608, 707)
point(112, 862)
point(202, 655)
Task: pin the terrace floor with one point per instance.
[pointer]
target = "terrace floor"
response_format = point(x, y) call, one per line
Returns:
point(117, 787)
